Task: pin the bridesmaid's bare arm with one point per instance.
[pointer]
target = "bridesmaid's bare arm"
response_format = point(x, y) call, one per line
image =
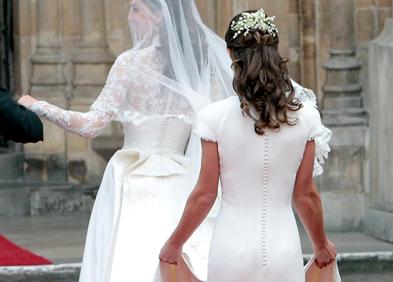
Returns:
point(199, 203)
point(308, 205)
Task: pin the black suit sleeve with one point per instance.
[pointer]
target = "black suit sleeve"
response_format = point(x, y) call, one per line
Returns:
point(18, 123)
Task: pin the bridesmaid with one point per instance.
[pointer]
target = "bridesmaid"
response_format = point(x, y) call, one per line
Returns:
point(262, 145)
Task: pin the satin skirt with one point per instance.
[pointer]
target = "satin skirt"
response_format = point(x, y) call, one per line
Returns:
point(138, 205)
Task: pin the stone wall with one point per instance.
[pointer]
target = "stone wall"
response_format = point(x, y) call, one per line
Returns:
point(370, 16)
point(64, 49)
point(379, 220)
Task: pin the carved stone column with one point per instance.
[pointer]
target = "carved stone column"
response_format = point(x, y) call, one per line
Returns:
point(48, 83)
point(343, 183)
point(91, 65)
point(342, 103)
point(379, 217)
point(93, 60)
point(48, 80)
point(294, 40)
point(308, 39)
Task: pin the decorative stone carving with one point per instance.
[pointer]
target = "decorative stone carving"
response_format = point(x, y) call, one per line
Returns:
point(343, 103)
point(342, 184)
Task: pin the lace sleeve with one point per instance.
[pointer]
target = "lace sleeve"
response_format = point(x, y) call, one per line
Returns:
point(103, 110)
point(87, 125)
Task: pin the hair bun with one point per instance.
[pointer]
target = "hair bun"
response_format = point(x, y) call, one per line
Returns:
point(260, 75)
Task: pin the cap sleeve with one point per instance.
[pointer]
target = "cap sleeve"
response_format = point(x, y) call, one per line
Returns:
point(321, 135)
point(205, 124)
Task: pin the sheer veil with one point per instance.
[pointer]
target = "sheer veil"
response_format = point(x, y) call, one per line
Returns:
point(189, 60)
point(176, 67)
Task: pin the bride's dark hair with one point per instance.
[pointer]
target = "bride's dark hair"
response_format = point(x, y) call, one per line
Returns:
point(261, 77)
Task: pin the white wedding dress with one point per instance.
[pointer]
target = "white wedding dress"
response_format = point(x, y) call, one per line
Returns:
point(145, 185)
point(176, 67)
point(256, 236)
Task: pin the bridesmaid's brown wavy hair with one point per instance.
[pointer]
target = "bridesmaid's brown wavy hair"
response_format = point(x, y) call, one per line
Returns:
point(261, 78)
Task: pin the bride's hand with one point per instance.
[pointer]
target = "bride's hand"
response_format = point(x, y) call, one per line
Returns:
point(325, 255)
point(171, 253)
point(27, 101)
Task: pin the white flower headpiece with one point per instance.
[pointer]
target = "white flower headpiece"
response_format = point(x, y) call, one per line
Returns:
point(257, 20)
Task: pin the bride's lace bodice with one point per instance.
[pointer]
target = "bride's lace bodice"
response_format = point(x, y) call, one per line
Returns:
point(131, 94)
point(163, 135)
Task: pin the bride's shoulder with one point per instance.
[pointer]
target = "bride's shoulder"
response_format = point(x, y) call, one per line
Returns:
point(130, 56)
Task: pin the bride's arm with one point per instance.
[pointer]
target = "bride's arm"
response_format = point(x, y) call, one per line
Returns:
point(88, 124)
point(308, 205)
point(199, 203)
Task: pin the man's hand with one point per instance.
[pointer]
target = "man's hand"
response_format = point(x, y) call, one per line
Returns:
point(27, 101)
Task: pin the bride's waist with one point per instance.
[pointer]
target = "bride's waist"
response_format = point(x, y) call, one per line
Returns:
point(140, 161)
point(160, 142)
point(156, 148)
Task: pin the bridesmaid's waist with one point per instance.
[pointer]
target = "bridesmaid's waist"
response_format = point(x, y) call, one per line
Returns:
point(252, 207)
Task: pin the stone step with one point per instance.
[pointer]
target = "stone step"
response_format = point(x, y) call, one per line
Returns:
point(52, 273)
point(360, 265)
point(32, 198)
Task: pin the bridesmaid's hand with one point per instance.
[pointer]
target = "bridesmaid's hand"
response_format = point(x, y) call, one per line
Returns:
point(325, 255)
point(27, 101)
point(171, 253)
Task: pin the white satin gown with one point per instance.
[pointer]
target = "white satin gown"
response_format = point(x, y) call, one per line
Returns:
point(256, 237)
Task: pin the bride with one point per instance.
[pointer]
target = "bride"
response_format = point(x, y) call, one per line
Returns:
point(155, 90)
point(176, 67)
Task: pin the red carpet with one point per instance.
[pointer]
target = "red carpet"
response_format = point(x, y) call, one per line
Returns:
point(12, 255)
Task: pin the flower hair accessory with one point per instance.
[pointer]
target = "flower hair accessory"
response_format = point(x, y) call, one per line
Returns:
point(254, 21)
